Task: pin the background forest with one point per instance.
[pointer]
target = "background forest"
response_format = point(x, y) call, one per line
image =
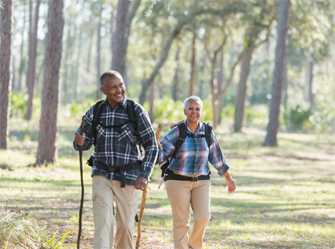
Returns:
point(264, 68)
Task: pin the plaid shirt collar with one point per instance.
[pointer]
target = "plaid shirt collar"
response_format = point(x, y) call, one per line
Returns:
point(123, 103)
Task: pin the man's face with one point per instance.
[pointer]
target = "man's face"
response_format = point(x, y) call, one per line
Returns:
point(114, 89)
point(193, 112)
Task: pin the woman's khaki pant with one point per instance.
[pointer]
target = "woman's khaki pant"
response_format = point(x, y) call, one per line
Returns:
point(182, 196)
point(104, 193)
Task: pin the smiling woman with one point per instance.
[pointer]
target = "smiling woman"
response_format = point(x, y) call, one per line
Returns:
point(188, 148)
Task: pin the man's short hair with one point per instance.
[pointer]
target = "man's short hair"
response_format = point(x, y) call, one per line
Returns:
point(111, 74)
point(195, 99)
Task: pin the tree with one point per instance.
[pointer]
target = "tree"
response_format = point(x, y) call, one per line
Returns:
point(32, 54)
point(5, 52)
point(46, 150)
point(282, 26)
point(125, 12)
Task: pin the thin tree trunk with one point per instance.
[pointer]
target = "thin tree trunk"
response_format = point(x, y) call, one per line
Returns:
point(98, 53)
point(66, 65)
point(125, 12)
point(21, 67)
point(32, 54)
point(273, 124)
point(242, 90)
point(175, 80)
point(221, 79)
point(193, 65)
point(310, 80)
point(151, 101)
point(5, 53)
point(46, 151)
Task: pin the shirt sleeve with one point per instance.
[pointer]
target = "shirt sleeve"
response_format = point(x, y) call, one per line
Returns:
point(147, 140)
point(86, 127)
point(216, 157)
point(168, 144)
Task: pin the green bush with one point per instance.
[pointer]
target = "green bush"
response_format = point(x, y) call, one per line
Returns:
point(18, 104)
point(296, 118)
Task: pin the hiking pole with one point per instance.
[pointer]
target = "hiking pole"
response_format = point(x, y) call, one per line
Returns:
point(140, 217)
point(82, 196)
point(144, 197)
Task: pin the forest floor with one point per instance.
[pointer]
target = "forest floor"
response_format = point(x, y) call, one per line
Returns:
point(285, 196)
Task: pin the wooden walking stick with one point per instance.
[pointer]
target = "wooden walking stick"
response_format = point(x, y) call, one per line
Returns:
point(144, 197)
point(82, 196)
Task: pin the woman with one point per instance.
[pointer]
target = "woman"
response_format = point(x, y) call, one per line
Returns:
point(189, 147)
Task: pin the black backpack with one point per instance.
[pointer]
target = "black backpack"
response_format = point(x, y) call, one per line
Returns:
point(97, 108)
point(182, 135)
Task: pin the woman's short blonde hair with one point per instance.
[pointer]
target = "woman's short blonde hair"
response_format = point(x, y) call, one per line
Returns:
point(190, 99)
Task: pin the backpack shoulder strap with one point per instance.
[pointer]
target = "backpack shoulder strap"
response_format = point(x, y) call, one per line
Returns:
point(208, 134)
point(97, 108)
point(131, 111)
point(182, 135)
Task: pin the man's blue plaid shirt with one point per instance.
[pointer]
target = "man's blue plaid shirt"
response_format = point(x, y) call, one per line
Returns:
point(116, 143)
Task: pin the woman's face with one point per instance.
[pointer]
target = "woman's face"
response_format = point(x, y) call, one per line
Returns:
point(193, 112)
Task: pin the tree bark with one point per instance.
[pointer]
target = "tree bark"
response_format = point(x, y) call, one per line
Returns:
point(273, 124)
point(125, 12)
point(5, 53)
point(22, 62)
point(193, 65)
point(98, 52)
point(46, 152)
point(220, 79)
point(310, 81)
point(175, 80)
point(32, 54)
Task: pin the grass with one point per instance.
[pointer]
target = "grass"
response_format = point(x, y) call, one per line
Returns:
point(284, 199)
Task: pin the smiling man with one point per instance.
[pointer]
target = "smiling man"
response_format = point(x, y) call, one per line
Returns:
point(117, 127)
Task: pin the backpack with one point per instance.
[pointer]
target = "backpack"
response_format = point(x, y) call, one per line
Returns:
point(182, 135)
point(97, 108)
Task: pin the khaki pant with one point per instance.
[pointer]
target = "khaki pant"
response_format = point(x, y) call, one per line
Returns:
point(104, 193)
point(183, 195)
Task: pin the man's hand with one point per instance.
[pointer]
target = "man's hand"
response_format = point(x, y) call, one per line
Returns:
point(140, 183)
point(79, 139)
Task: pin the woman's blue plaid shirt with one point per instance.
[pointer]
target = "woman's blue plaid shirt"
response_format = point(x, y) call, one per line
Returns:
point(194, 154)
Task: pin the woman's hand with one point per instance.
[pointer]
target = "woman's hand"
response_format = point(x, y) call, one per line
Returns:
point(231, 185)
point(230, 182)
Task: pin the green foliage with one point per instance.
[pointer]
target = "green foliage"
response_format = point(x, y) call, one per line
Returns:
point(166, 110)
point(323, 118)
point(79, 108)
point(18, 104)
point(297, 117)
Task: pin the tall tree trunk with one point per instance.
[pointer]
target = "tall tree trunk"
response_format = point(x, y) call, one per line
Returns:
point(151, 101)
point(125, 12)
point(98, 53)
point(5, 52)
point(273, 124)
point(66, 65)
point(32, 54)
point(193, 65)
point(221, 79)
point(22, 61)
point(46, 151)
point(215, 89)
point(310, 80)
point(77, 65)
point(242, 89)
point(175, 80)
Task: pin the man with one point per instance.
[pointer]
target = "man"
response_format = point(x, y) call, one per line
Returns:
point(116, 127)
